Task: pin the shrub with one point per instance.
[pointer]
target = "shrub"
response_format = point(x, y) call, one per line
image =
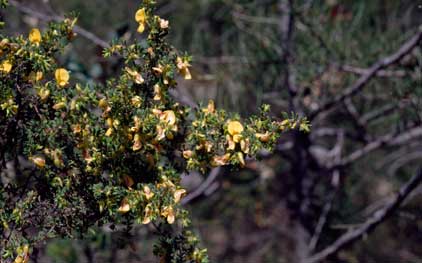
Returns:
point(76, 156)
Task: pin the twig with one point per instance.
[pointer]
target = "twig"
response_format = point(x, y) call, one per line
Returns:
point(325, 212)
point(380, 73)
point(203, 187)
point(377, 218)
point(386, 140)
point(47, 18)
point(286, 25)
point(405, 49)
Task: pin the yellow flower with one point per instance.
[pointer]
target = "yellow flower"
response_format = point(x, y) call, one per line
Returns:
point(21, 259)
point(35, 76)
point(136, 101)
point(9, 105)
point(159, 69)
point(161, 133)
point(178, 194)
point(137, 121)
point(135, 75)
point(38, 161)
point(147, 214)
point(124, 206)
point(109, 132)
point(109, 122)
point(187, 154)
point(169, 117)
point(158, 95)
point(234, 128)
point(244, 145)
point(141, 18)
point(183, 67)
point(220, 160)
point(76, 128)
point(44, 93)
point(210, 108)
point(6, 66)
point(263, 137)
point(241, 159)
point(59, 105)
point(35, 36)
point(137, 145)
point(237, 138)
point(147, 192)
point(169, 213)
point(62, 77)
point(102, 103)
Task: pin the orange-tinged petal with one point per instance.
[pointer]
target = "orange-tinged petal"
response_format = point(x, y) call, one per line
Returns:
point(124, 206)
point(178, 194)
point(148, 193)
point(39, 161)
point(128, 181)
point(169, 117)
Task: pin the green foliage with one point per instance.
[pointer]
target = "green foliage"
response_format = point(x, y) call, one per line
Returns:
point(97, 154)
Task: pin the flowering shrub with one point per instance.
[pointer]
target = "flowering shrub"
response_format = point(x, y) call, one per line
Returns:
point(87, 155)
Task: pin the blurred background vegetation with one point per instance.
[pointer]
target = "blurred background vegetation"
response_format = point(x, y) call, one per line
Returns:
point(244, 56)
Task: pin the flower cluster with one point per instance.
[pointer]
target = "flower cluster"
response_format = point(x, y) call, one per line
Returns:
point(112, 153)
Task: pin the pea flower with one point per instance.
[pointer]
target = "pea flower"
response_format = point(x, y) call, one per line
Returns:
point(62, 77)
point(35, 36)
point(178, 194)
point(183, 66)
point(141, 18)
point(43, 93)
point(6, 66)
point(168, 212)
point(147, 192)
point(38, 161)
point(124, 206)
point(136, 76)
point(137, 145)
point(136, 101)
point(147, 214)
point(234, 128)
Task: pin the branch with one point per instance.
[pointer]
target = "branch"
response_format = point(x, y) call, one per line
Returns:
point(48, 18)
point(286, 26)
point(386, 140)
point(380, 73)
point(405, 49)
point(203, 187)
point(323, 218)
point(377, 218)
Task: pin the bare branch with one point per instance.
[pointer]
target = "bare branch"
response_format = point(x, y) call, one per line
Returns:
point(48, 18)
point(378, 217)
point(203, 187)
point(335, 182)
point(286, 26)
point(380, 73)
point(390, 139)
point(405, 49)
point(323, 218)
